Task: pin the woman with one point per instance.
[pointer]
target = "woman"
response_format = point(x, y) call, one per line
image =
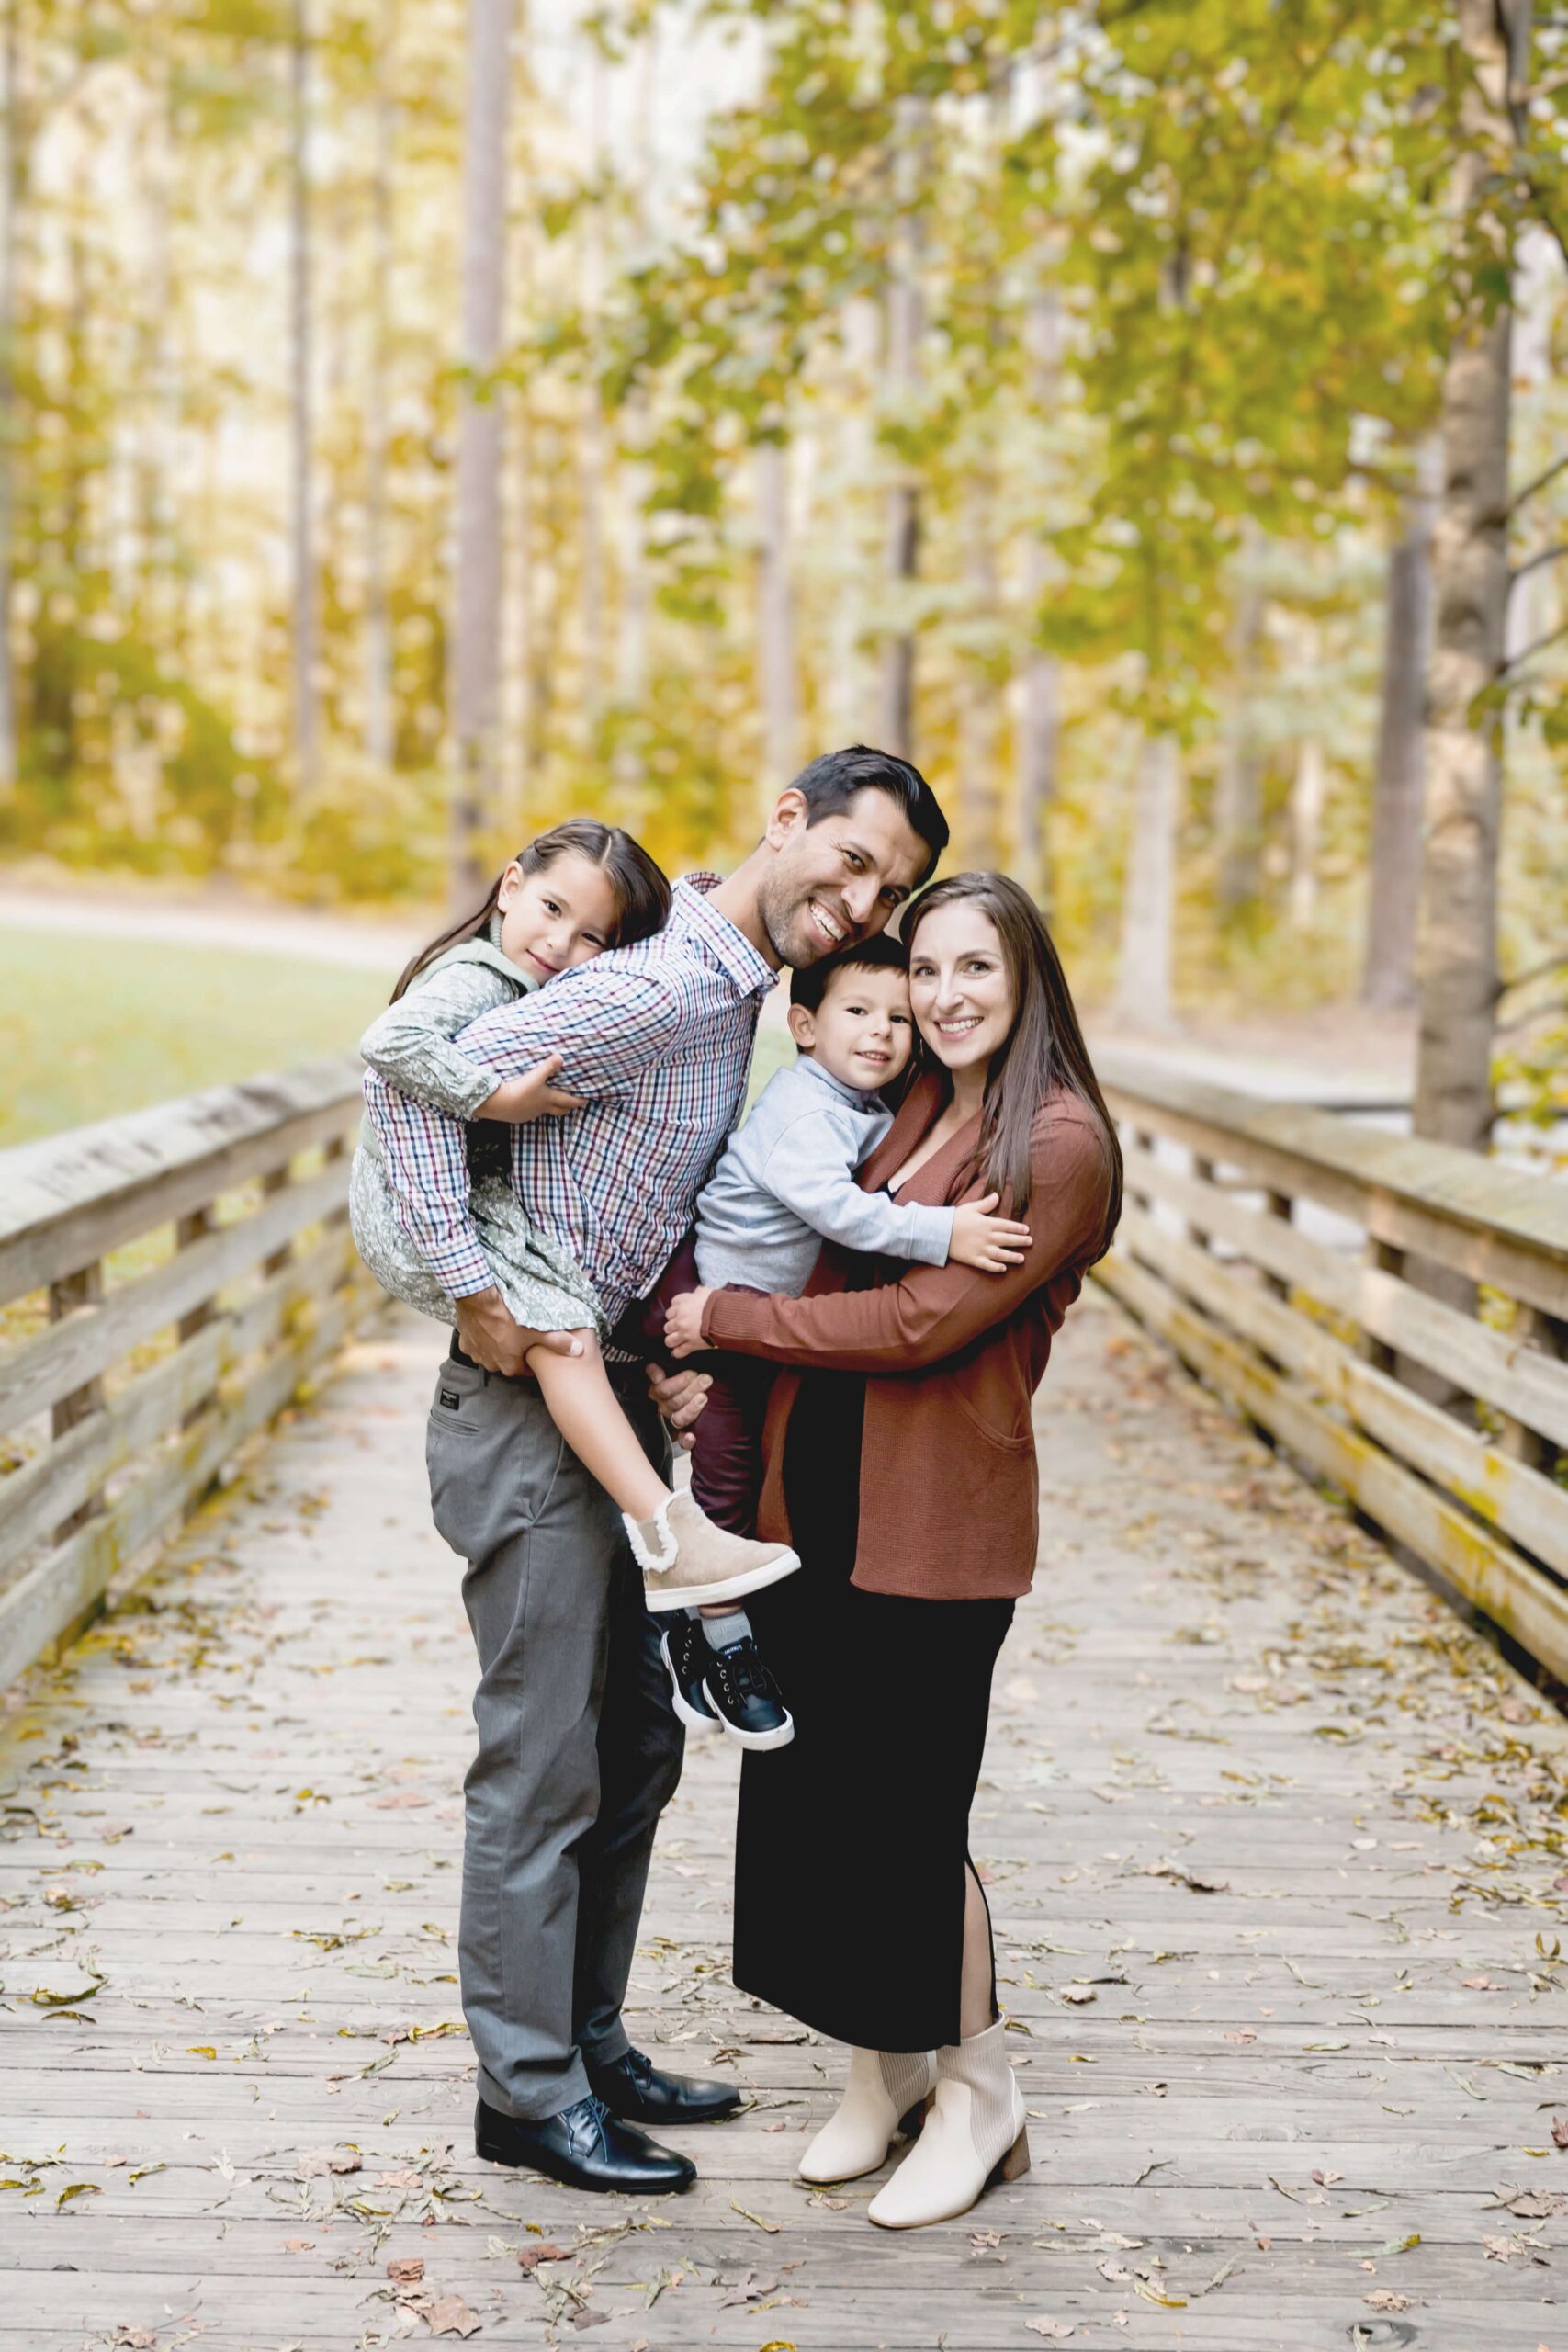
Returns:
point(900, 1465)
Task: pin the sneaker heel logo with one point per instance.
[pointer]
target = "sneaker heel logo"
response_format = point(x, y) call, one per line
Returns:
point(451, 1399)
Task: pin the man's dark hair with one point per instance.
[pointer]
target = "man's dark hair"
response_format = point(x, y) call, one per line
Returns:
point(809, 982)
point(829, 784)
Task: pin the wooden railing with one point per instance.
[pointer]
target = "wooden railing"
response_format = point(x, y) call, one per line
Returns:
point(1394, 1312)
point(166, 1282)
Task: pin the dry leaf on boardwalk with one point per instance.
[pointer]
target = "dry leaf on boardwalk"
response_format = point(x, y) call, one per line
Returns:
point(1054, 2331)
point(406, 2271)
point(450, 2316)
point(760, 2219)
point(319, 2162)
point(1383, 2299)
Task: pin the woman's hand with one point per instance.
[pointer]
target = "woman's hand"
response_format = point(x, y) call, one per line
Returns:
point(680, 1396)
point(984, 1240)
point(517, 1100)
point(683, 1323)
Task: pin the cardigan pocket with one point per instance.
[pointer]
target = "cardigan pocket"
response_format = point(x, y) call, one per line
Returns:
point(1017, 1442)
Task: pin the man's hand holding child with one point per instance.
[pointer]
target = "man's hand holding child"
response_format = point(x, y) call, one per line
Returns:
point(982, 1239)
point(683, 1323)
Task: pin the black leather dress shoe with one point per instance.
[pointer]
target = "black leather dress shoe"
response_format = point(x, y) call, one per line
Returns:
point(633, 2088)
point(585, 2147)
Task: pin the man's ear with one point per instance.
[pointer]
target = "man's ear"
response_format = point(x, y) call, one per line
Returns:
point(803, 1026)
point(787, 818)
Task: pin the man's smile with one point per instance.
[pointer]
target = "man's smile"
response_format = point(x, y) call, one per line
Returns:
point(833, 929)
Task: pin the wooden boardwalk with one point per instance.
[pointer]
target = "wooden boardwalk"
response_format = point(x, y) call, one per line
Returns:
point(1276, 1857)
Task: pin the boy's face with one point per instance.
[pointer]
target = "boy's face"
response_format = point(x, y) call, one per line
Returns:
point(863, 1032)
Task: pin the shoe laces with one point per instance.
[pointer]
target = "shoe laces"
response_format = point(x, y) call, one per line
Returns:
point(742, 1672)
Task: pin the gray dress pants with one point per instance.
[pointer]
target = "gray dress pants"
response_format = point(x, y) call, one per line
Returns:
point(578, 1748)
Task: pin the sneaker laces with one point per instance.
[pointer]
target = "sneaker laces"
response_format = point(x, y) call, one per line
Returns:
point(742, 1672)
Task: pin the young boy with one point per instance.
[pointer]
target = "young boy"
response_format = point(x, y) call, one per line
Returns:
point(785, 1183)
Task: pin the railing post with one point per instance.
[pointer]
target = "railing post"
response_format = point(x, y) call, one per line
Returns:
point(1549, 1334)
point(1386, 1259)
point(1278, 1204)
point(69, 1295)
point(188, 1229)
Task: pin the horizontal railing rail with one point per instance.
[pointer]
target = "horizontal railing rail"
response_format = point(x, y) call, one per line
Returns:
point(167, 1281)
point(1394, 1312)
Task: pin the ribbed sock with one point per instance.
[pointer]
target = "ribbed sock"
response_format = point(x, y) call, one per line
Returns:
point(723, 1633)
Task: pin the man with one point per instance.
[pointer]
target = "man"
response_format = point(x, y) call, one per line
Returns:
point(578, 1748)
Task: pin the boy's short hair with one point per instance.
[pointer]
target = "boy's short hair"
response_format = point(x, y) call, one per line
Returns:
point(809, 982)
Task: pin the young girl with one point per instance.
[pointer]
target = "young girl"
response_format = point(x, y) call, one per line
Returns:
point(580, 889)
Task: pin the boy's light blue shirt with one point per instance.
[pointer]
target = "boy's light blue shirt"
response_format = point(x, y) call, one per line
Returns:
point(785, 1184)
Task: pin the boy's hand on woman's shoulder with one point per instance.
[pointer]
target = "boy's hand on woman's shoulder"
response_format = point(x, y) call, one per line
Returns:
point(983, 1239)
point(683, 1323)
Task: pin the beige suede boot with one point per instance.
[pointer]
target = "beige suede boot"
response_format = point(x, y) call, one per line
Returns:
point(883, 2087)
point(686, 1561)
point(974, 2133)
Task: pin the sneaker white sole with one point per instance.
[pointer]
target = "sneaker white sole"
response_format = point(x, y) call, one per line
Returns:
point(692, 1716)
point(758, 1740)
point(735, 1588)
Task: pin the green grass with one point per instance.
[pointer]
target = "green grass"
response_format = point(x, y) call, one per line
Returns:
point(91, 1028)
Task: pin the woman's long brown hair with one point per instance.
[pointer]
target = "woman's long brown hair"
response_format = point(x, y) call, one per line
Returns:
point(1044, 1048)
point(641, 888)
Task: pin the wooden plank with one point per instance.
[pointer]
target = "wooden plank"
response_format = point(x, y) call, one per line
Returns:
point(1505, 1492)
point(50, 1597)
point(1484, 1194)
point(1520, 1598)
point(90, 1190)
point(45, 1489)
point(1538, 1277)
point(50, 1365)
point(1503, 1367)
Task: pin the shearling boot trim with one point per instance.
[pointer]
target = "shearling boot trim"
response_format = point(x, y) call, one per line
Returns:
point(669, 1551)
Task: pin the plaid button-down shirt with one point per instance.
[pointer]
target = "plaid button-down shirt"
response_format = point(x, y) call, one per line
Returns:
point(657, 1038)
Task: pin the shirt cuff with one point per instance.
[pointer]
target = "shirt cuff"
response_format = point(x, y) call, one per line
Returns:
point(934, 1235)
point(461, 1268)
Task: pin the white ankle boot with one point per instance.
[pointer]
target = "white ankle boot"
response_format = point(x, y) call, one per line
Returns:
point(883, 2087)
point(976, 2130)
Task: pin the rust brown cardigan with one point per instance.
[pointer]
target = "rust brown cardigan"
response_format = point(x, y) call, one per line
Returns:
point(949, 1491)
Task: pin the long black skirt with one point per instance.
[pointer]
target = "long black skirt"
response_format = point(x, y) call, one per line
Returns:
point(852, 1842)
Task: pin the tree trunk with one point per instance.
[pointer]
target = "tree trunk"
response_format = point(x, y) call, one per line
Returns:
point(1144, 991)
point(306, 707)
point(1457, 954)
point(1308, 791)
point(978, 780)
point(1038, 736)
point(476, 652)
point(904, 320)
point(1387, 976)
point(1238, 799)
point(777, 680)
point(380, 733)
point(1040, 703)
point(12, 137)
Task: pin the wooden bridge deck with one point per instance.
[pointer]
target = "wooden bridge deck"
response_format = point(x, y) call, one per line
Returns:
point(1276, 1853)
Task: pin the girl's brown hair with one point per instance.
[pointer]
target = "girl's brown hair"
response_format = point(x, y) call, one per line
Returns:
point(1044, 1048)
point(642, 891)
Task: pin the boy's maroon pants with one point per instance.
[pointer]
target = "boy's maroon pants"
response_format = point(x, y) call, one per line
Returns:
point(726, 1461)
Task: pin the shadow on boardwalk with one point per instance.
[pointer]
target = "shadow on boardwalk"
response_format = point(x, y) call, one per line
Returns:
point(1275, 1850)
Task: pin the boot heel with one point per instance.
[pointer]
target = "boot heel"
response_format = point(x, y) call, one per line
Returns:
point(1016, 2161)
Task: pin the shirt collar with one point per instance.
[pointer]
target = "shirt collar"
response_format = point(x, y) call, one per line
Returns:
point(728, 947)
point(862, 1098)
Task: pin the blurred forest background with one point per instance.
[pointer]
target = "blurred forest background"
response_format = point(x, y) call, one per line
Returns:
point(421, 421)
